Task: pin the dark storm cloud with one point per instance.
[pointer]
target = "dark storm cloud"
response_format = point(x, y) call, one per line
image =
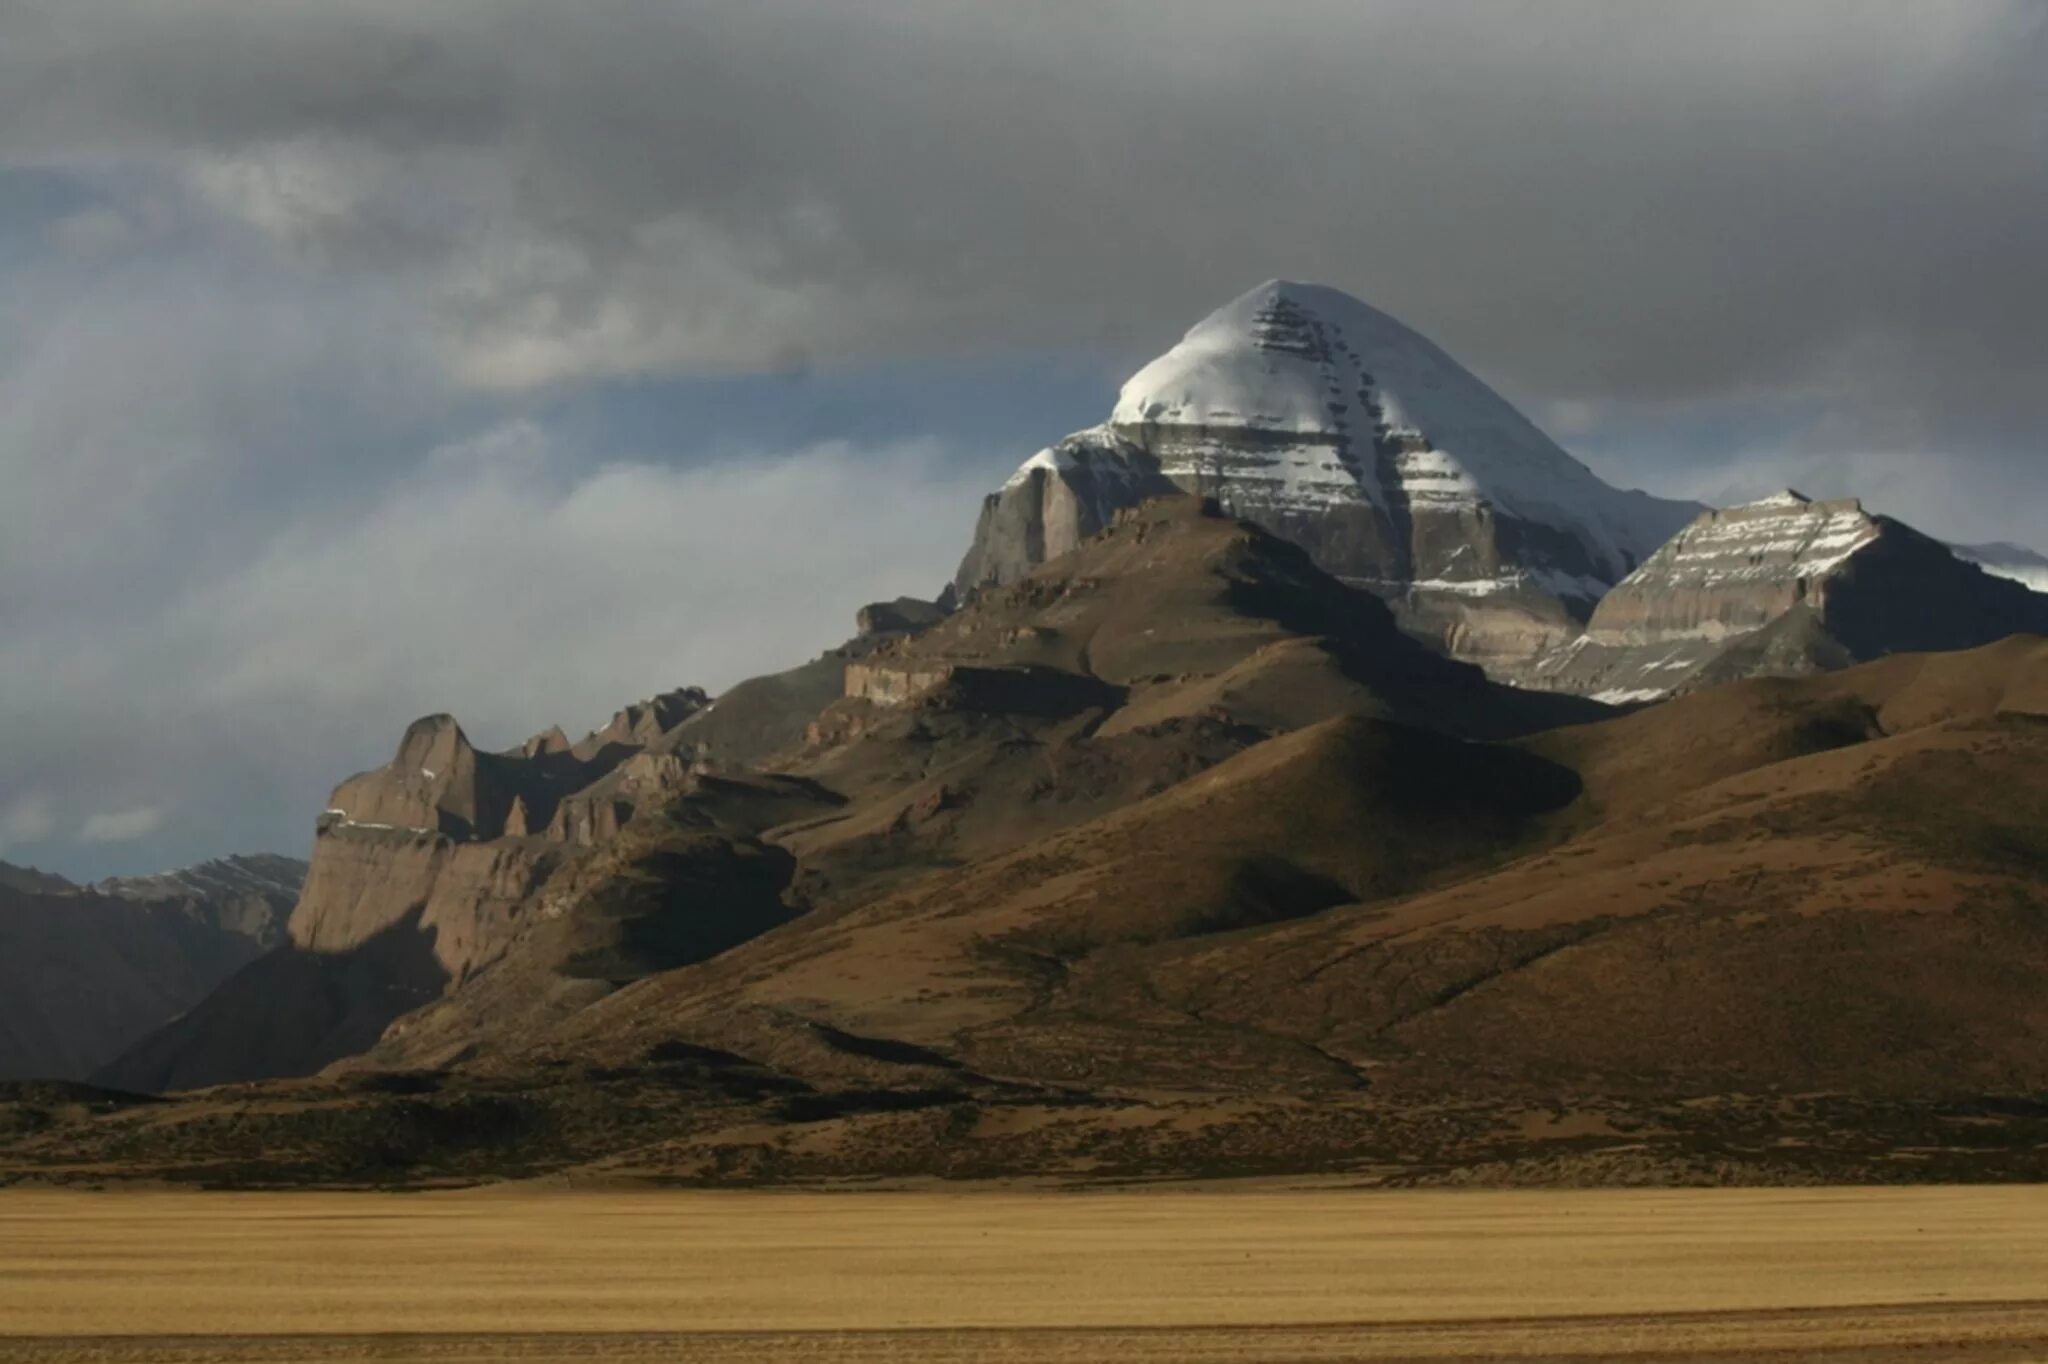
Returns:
point(1594, 200)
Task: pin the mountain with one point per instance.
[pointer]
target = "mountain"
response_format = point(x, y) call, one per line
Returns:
point(1783, 587)
point(1174, 640)
point(424, 870)
point(249, 894)
point(85, 971)
point(1367, 947)
point(31, 881)
point(416, 867)
point(1328, 422)
point(1178, 857)
point(2005, 560)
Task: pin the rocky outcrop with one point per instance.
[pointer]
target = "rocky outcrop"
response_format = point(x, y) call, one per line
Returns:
point(596, 814)
point(85, 971)
point(1057, 500)
point(1783, 587)
point(440, 784)
point(887, 683)
point(903, 616)
point(1329, 423)
point(437, 783)
point(643, 723)
point(764, 720)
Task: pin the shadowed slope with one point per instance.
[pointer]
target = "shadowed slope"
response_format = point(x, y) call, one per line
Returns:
point(87, 970)
point(288, 1011)
point(963, 961)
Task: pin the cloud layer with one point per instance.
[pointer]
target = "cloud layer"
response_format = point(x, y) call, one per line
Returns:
point(498, 579)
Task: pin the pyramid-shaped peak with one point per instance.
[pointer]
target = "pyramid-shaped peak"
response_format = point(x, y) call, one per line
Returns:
point(1290, 317)
point(1300, 358)
point(1314, 414)
point(1362, 408)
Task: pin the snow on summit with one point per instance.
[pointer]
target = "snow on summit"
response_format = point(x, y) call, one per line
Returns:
point(1303, 360)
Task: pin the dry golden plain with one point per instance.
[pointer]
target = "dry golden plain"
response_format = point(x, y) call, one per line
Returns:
point(1187, 1275)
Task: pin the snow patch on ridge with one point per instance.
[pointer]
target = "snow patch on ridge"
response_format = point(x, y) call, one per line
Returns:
point(1627, 696)
point(1781, 537)
point(1552, 581)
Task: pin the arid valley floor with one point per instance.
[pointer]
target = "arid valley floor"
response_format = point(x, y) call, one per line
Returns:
point(1304, 1273)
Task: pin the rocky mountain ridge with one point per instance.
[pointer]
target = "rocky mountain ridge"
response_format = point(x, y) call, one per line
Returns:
point(246, 893)
point(1783, 587)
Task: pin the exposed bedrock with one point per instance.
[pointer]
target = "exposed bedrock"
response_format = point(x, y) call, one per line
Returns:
point(1783, 587)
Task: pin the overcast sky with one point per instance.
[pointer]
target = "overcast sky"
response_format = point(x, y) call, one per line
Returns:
point(364, 358)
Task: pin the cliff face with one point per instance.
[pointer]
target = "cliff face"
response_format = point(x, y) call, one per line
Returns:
point(1058, 499)
point(1783, 587)
point(1334, 426)
point(423, 871)
point(463, 839)
point(428, 870)
point(467, 896)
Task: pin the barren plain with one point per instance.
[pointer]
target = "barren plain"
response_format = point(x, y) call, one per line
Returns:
point(1301, 1273)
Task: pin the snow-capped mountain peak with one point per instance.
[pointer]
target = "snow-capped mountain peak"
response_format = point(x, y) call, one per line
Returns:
point(1305, 361)
point(1325, 420)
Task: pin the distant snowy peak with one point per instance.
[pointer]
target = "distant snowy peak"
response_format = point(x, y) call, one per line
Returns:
point(2006, 560)
point(252, 874)
point(221, 878)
